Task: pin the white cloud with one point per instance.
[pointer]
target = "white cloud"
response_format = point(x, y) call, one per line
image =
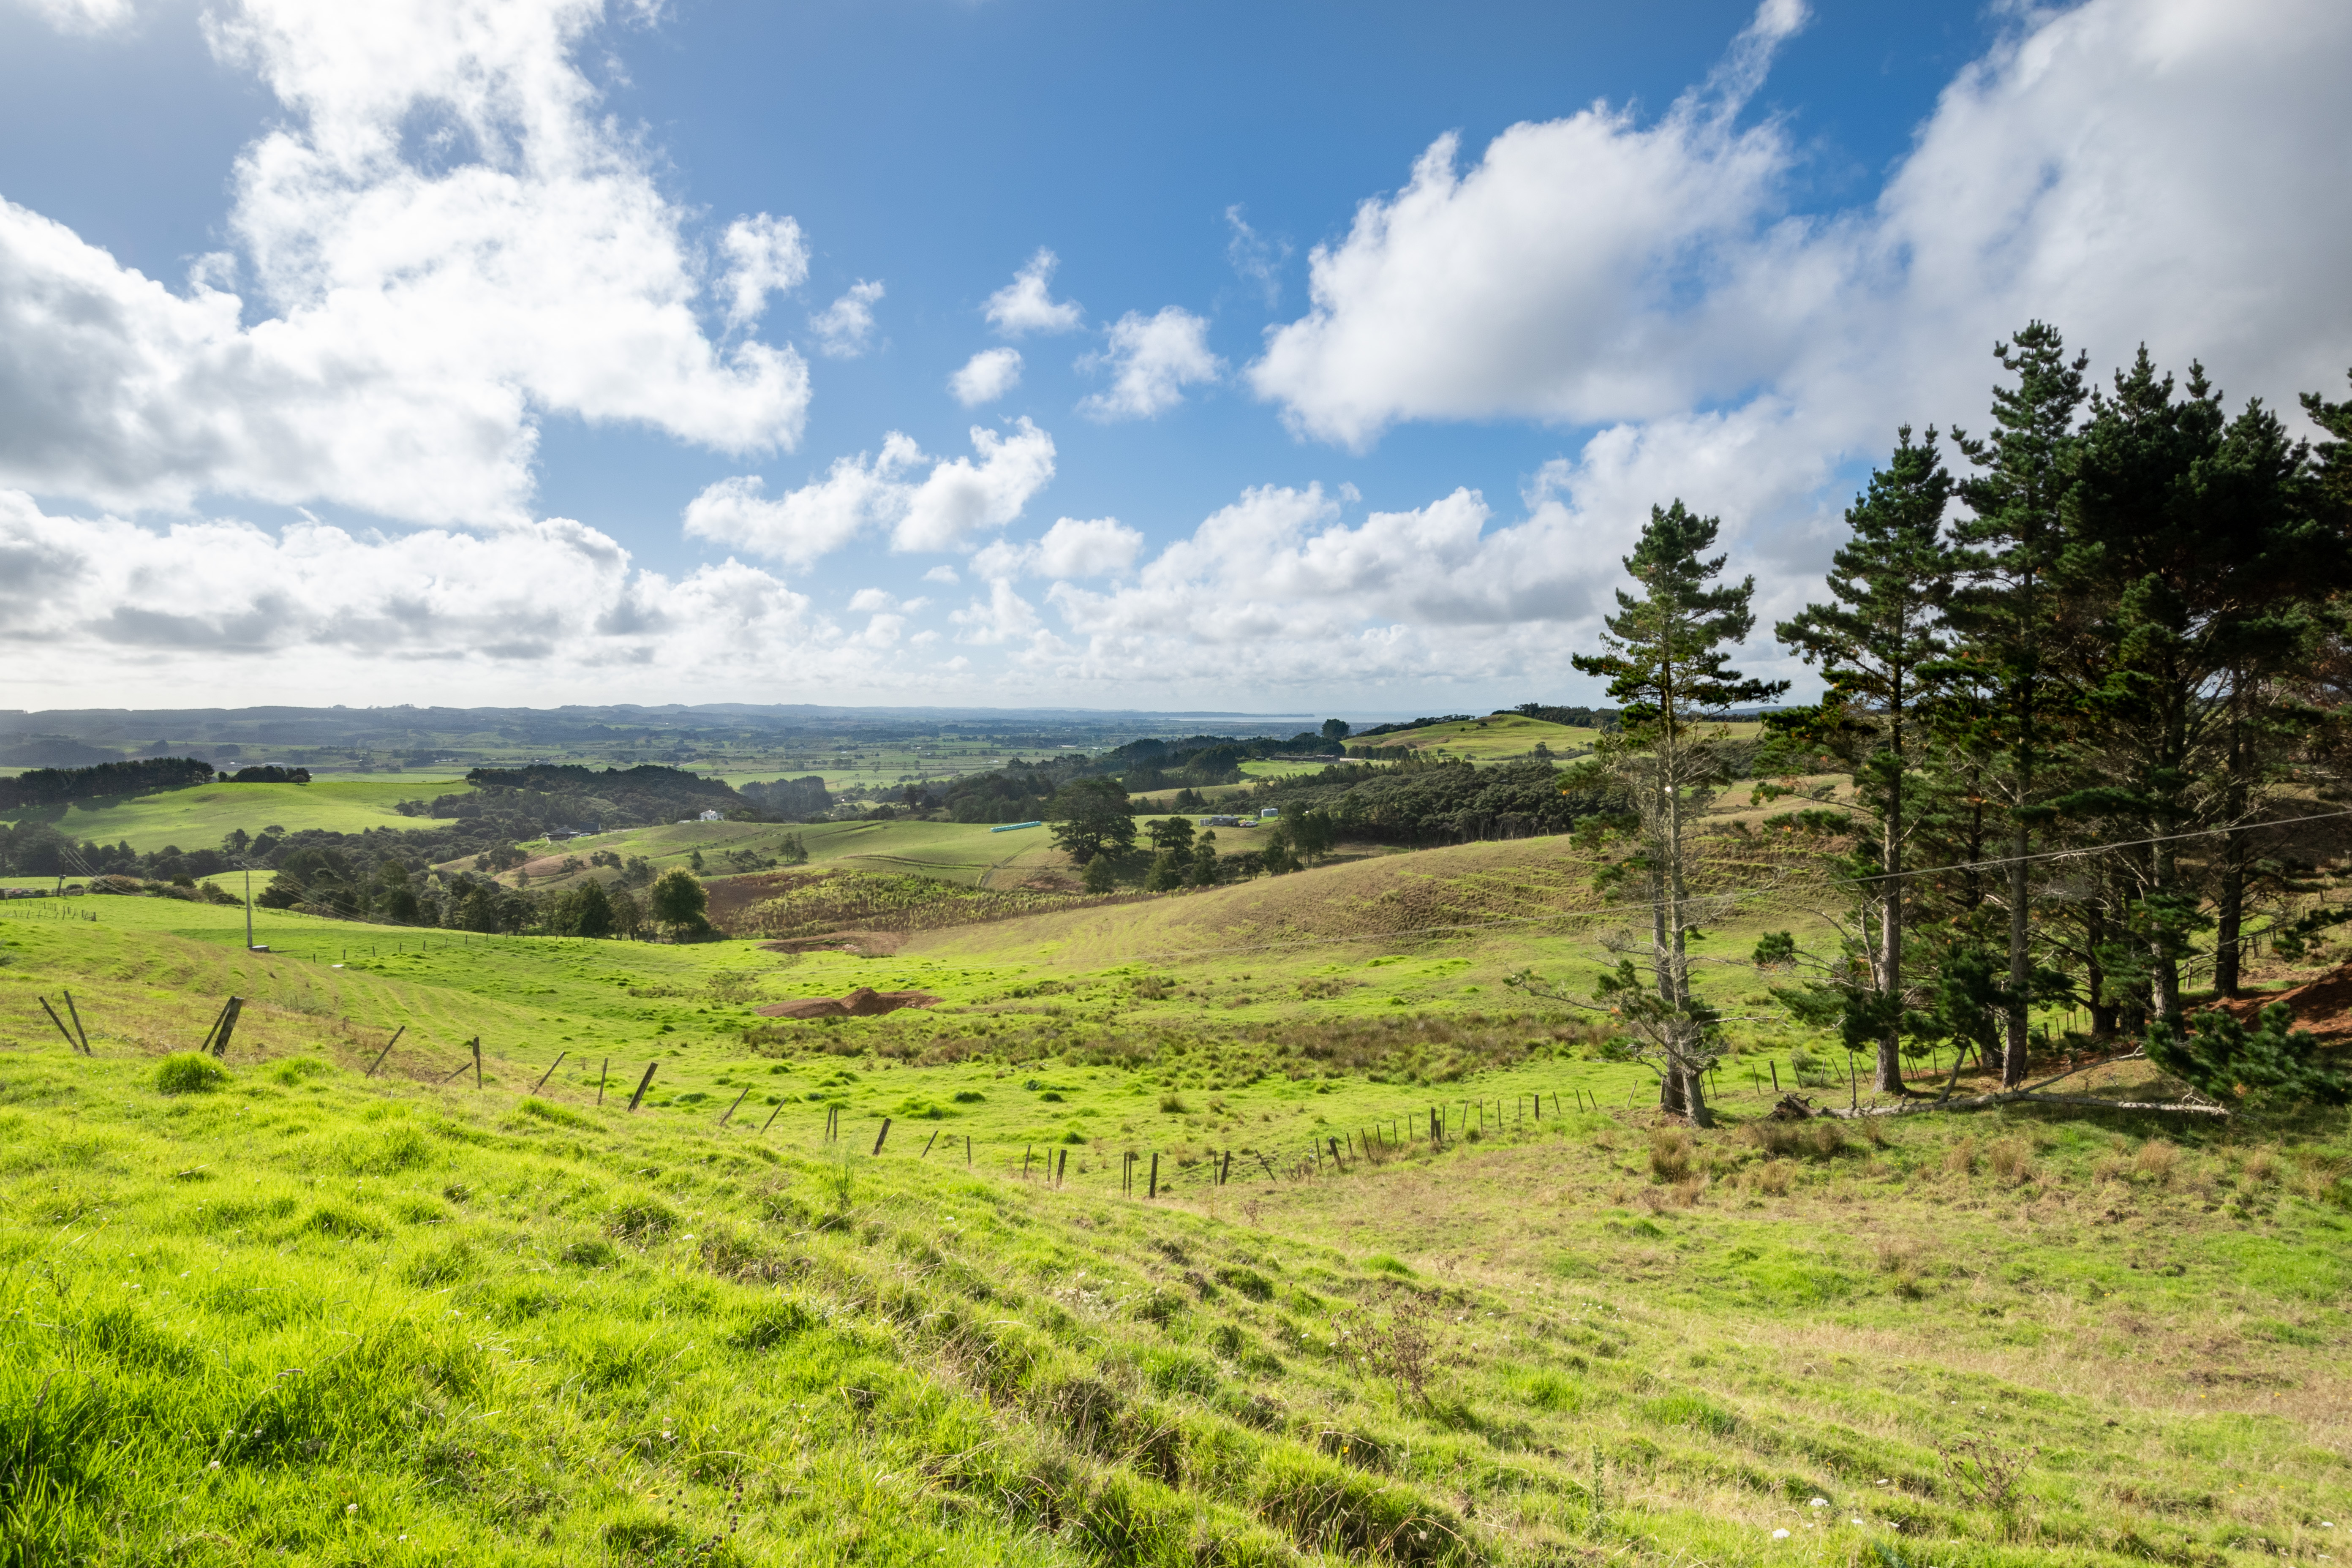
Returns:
point(957, 499)
point(446, 240)
point(962, 498)
point(89, 17)
point(870, 599)
point(1003, 616)
point(764, 255)
point(844, 326)
point(2129, 169)
point(1152, 360)
point(856, 494)
point(93, 606)
point(1097, 547)
point(942, 573)
point(1025, 306)
point(986, 376)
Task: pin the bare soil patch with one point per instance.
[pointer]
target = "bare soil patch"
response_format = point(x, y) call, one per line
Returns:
point(862, 1002)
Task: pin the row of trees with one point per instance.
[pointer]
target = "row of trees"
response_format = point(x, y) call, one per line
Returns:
point(2078, 689)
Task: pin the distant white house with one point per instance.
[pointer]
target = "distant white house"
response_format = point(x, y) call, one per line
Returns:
point(1264, 812)
point(711, 817)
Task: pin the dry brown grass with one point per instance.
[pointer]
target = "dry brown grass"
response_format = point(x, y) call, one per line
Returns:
point(1960, 1159)
point(1671, 1153)
point(2157, 1162)
point(2011, 1160)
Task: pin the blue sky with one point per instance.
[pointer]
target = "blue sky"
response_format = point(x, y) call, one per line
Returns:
point(447, 384)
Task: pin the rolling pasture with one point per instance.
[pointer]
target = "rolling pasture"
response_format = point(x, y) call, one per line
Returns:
point(201, 817)
point(901, 1290)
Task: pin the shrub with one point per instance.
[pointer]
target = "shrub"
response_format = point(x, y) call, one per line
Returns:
point(1960, 1159)
point(2274, 1063)
point(189, 1072)
point(298, 1070)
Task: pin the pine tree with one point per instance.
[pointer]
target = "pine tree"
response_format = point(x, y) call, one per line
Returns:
point(2004, 614)
point(1874, 643)
point(1666, 656)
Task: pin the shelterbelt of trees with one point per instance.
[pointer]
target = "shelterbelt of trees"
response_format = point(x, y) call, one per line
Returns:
point(2089, 693)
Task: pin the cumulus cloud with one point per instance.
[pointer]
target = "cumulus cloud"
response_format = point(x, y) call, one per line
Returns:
point(90, 604)
point(2130, 169)
point(764, 255)
point(843, 327)
point(444, 239)
point(1024, 305)
point(986, 376)
point(942, 510)
point(1152, 358)
point(1097, 547)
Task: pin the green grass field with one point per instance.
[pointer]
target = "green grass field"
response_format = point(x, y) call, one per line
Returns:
point(1495, 738)
point(302, 1314)
point(200, 818)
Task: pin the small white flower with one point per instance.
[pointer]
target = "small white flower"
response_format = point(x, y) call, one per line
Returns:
point(350, 1507)
point(1819, 1502)
point(1779, 1535)
point(1854, 1522)
point(216, 1464)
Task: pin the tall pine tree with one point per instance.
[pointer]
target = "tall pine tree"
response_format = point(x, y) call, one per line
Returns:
point(1666, 656)
point(2005, 617)
point(1876, 642)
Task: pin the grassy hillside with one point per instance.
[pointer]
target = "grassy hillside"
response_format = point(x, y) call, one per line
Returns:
point(200, 818)
point(314, 1317)
point(1486, 739)
point(300, 1314)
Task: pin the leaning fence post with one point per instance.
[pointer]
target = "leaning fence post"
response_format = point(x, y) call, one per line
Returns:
point(550, 1071)
point(602, 1074)
point(386, 1051)
point(75, 1014)
point(644, 1084)
point(730, 1110)
point(881, 1135)
point(61, 1022)
point(779, 1111)
point(927, 1142)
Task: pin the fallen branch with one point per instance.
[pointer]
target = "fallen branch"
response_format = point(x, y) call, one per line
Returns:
point(2027, 1097)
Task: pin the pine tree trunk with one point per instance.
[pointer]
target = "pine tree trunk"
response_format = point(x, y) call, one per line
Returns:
point(2094, 977)
point(2012, 1057)
point(1888, 1079)
point(2229, 918)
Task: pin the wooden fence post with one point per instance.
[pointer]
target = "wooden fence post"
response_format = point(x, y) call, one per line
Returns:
point(75, 1014)
point(1155, 1175)
point(551, 1072)
point(386, 1051)
point(477, 1061)
point(927, 1145)
point(881, 1135)
point(602, 1074)
point(772, 1116)
point(61, 1022)
point(1061, 1167)
point(730, 1111)
point(644, 1084)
